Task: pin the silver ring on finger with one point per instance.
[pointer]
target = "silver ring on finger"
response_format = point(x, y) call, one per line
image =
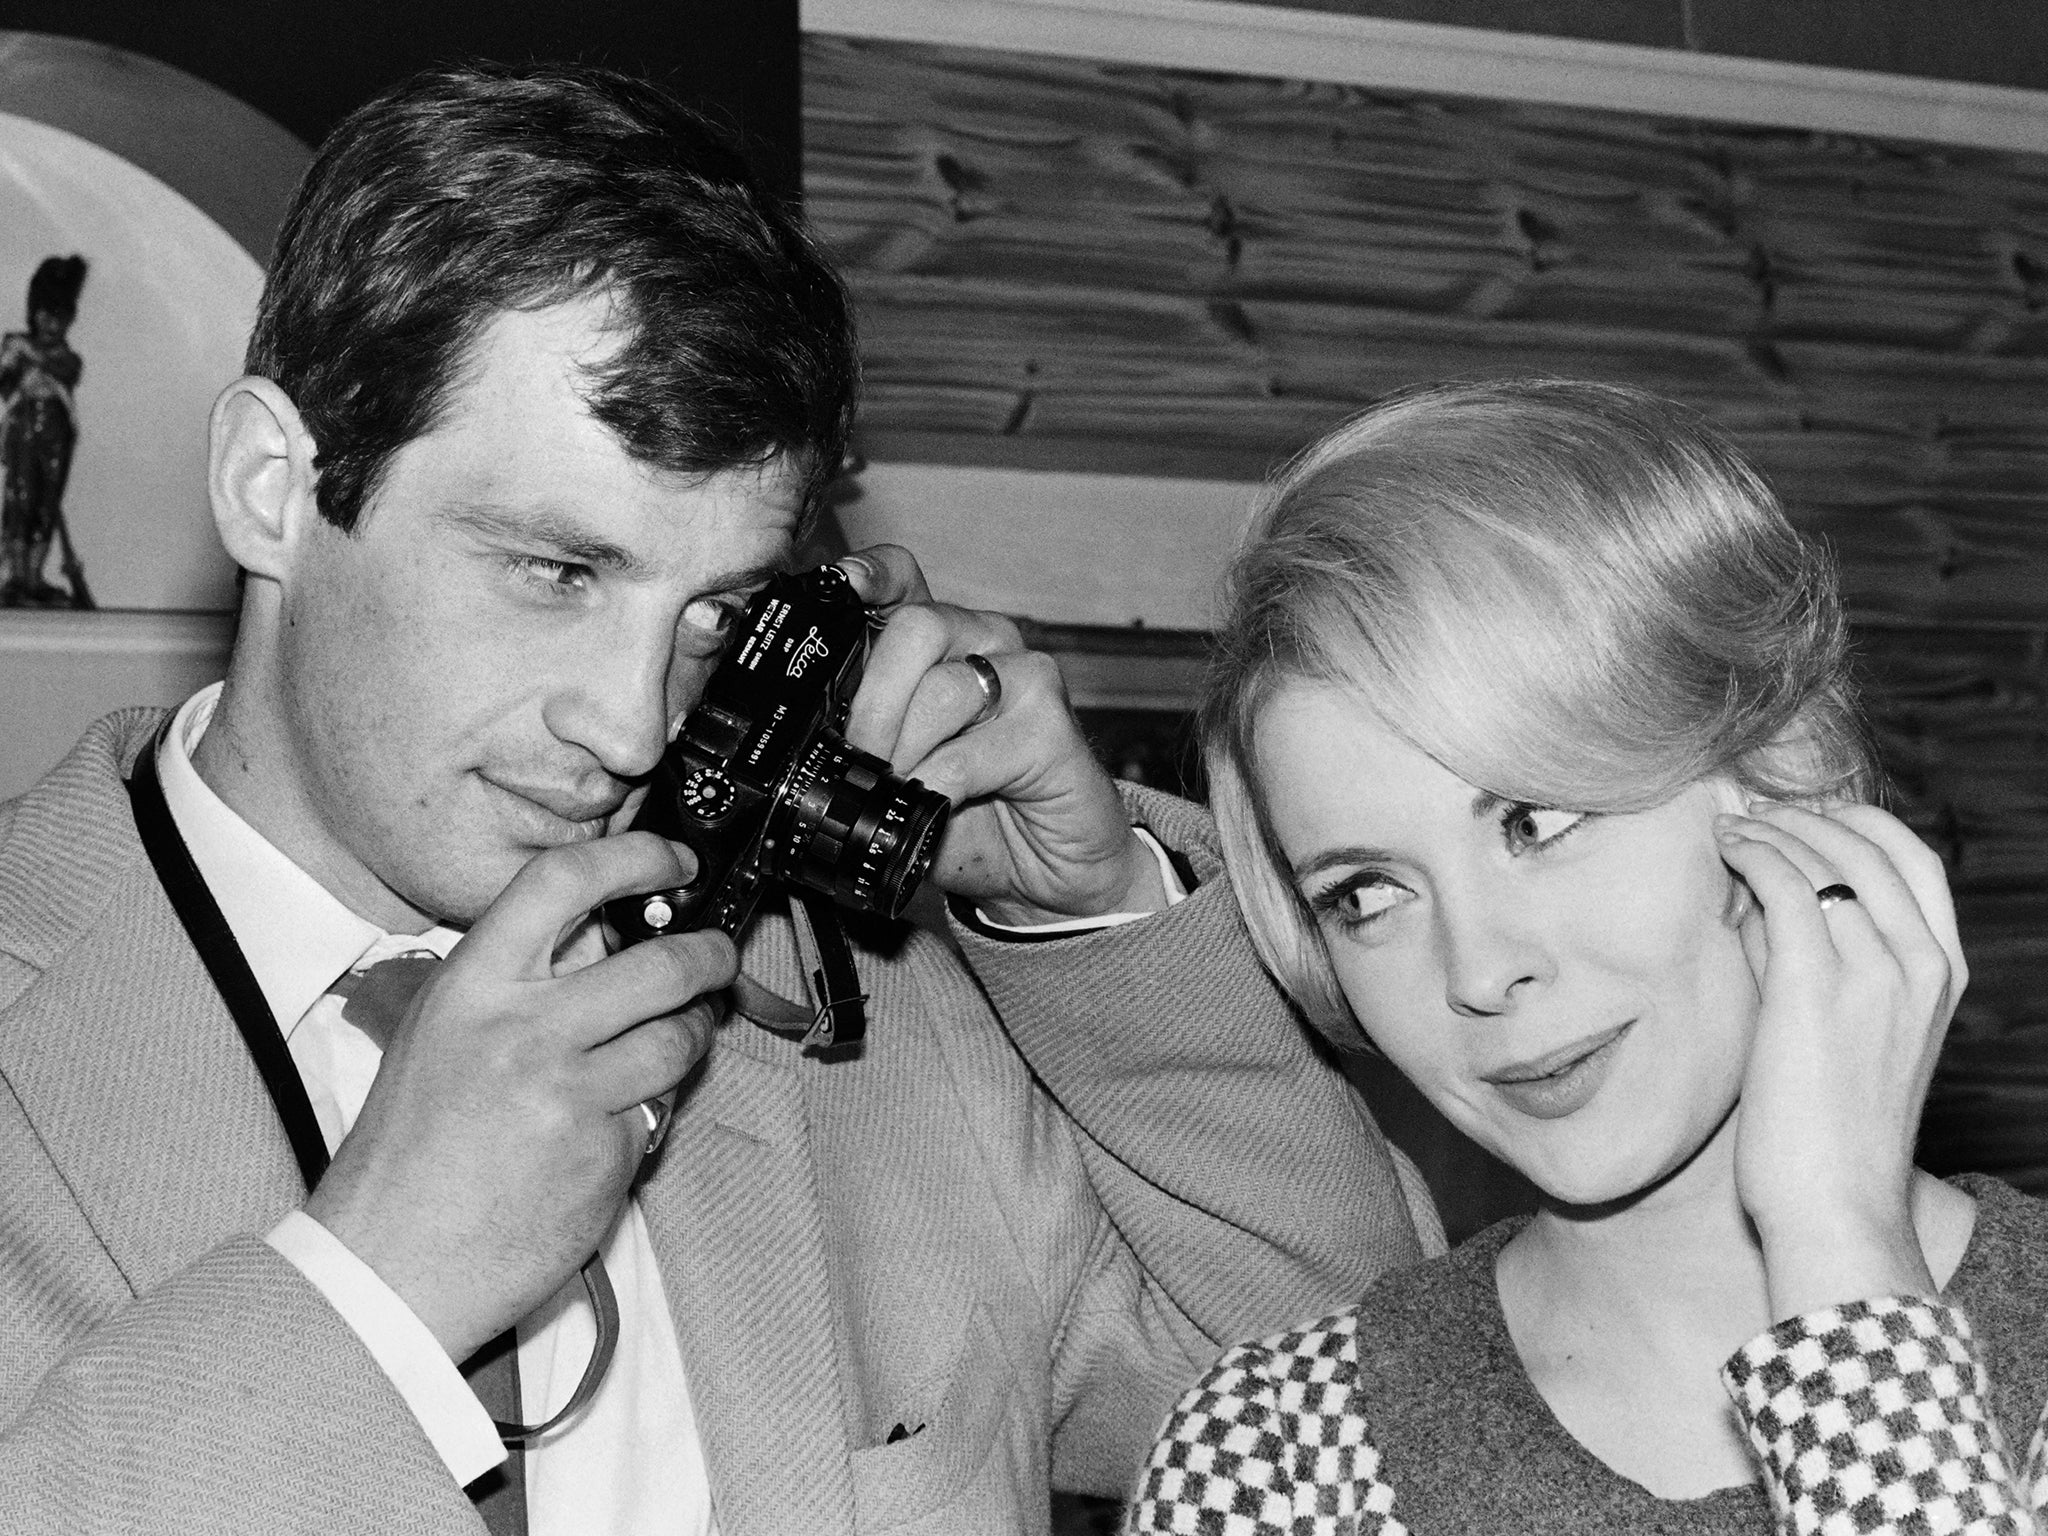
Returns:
point(659, 1112)
point(991, 683)
point(1834, 895)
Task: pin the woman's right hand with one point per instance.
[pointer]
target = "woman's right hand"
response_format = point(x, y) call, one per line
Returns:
point(1856, 998)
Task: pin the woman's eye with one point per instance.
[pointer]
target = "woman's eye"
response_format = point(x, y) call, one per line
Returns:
point(1536, 826)
point(1355, 902)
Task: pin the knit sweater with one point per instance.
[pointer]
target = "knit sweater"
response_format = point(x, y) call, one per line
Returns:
point(1412, 1413)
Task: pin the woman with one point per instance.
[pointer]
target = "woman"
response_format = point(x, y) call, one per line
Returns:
point(1535, 758)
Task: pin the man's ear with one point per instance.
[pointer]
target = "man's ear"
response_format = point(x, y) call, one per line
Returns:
point(260, 475)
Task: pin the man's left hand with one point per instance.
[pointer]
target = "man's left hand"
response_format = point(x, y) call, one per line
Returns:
point(1038, 831)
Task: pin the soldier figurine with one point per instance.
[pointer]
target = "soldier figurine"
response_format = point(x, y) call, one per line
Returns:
point(38, 429)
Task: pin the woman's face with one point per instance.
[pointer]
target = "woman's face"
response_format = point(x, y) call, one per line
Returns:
point(1565, 988)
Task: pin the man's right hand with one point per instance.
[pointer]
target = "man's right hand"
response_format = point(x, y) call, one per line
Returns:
point(504, 1129)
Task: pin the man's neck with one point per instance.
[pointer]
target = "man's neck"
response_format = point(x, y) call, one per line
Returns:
point(250, 769)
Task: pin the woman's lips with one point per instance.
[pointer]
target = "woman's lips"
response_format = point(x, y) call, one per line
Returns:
point(1559, 1082)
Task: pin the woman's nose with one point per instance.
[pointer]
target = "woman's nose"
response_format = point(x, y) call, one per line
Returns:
point(1494, 956)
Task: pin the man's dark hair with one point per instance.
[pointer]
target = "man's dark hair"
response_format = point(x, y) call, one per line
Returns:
point(465, 192)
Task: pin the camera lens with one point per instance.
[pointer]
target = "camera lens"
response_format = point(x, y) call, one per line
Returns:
point(857, 832)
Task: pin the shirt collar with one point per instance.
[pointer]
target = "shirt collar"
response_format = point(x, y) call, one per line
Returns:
point(297, 937)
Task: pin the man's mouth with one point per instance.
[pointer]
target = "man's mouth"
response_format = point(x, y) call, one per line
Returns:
point(587, 814)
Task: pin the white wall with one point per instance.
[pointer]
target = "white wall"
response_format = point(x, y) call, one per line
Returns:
point(61, 671)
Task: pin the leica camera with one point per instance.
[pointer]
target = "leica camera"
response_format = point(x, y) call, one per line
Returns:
point(761, 786)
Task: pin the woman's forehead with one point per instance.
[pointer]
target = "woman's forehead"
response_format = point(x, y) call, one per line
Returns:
point(1322, 749)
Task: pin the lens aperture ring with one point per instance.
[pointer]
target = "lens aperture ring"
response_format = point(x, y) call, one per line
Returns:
point(859, 833)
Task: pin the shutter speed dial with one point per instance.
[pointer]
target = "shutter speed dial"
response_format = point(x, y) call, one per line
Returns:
point(708, 795)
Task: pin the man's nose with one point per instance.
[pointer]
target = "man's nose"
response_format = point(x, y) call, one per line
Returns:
point(619, 704)
point(1495, 954)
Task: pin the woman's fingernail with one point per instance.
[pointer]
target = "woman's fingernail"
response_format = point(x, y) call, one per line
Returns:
point(856, 567)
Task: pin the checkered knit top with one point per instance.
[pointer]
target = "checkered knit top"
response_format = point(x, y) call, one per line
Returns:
point(1412, 1413)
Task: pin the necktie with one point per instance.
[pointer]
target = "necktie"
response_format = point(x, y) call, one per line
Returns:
point(375, 997)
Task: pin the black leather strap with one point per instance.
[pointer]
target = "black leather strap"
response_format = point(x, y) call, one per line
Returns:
point(597, 1284)
point(842, 1017)
point(225, 963)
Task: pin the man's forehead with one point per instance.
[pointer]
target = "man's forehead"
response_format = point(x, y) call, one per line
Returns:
point(515, 441)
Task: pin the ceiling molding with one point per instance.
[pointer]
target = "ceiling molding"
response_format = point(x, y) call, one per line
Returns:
point(1223, 37)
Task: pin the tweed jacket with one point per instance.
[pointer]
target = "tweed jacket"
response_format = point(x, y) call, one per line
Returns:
point(1034, 1208)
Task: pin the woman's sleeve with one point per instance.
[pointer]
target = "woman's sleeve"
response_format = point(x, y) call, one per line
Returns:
point(1269, 1443)
point(1873, 1418)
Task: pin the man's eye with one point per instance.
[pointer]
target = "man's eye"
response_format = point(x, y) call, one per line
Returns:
point(713, 615)
point(550, 575)
point(1537, 826)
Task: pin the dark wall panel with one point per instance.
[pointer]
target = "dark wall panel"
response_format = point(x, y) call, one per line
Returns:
point(307, 62)
point(1992, 42)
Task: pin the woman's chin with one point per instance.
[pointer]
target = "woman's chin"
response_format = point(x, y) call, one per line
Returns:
point(1591, 1181)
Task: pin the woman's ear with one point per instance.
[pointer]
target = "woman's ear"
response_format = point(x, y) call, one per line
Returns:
point(1730, 797)
point(260, 475)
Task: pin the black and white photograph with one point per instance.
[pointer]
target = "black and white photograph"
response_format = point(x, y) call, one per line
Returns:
point(1024, 768)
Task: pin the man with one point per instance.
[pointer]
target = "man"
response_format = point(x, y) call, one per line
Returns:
point(540, 392)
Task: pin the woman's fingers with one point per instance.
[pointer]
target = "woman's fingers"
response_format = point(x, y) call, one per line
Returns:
point(1925, 874)
point(1779, 872)
point(1913, 918)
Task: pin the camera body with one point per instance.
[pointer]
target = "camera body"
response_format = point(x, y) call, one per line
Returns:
point(761, 786)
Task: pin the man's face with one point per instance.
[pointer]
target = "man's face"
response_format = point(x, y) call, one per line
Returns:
point(490, 663)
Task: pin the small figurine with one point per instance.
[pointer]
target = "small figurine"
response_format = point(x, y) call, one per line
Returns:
point(38, 429)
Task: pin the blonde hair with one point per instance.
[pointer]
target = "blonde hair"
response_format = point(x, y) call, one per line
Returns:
point(1575, 595)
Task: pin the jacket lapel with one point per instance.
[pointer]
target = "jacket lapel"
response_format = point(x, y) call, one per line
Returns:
point(119, 1050)
point(732, 1209)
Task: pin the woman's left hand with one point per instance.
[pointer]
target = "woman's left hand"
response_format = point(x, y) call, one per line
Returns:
point(1856, 998)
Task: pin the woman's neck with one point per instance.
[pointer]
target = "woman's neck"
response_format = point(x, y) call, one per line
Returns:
point(1624, 1315)
point(1677, 1261)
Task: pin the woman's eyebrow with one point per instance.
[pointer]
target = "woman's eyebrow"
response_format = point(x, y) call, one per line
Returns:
point(1486, 802)
point(1332, 858)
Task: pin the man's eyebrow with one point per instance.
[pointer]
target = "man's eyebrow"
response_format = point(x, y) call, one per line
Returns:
point(554, 533)
point(742, 577)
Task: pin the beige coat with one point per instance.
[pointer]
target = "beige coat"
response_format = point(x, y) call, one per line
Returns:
point(1031, 1260)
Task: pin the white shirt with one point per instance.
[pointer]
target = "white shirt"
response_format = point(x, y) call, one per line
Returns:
point(592, 1474)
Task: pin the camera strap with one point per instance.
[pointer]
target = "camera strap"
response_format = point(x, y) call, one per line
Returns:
point(827, 960)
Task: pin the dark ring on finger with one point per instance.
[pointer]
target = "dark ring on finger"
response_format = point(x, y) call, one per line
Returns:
point(991, 687)
point(1829, 895)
